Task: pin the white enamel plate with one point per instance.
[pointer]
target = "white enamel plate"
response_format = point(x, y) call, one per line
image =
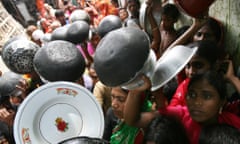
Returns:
point(57, 111)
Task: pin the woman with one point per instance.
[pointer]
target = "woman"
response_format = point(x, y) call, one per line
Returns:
point(204, 102)
point(124, 133)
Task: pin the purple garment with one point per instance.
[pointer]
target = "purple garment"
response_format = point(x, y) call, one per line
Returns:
point(89, 47)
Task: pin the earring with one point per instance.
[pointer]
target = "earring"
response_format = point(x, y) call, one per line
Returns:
point(220, 110)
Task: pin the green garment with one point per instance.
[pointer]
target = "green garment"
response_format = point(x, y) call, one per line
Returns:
point(126, 134)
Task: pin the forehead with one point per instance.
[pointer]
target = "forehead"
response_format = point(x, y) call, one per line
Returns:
point(122, 10)
point(205, 29)
point(116, 91)
point(203, 85)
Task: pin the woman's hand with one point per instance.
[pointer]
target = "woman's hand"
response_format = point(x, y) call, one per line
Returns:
point(144, 84)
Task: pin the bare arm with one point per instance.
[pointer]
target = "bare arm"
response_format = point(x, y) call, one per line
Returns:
point(197, 24)
point(231, 77)
point(132, 111)
point(155, 29)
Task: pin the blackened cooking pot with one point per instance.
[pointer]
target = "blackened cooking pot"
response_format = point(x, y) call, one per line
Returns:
point(59, 61)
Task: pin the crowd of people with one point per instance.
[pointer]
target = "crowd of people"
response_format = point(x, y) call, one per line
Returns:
point(196, 106)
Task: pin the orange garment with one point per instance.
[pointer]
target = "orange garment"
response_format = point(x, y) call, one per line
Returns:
point(40, 6)
point(104, 8)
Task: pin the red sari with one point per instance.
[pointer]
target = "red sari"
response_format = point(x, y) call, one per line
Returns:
point(180, 94)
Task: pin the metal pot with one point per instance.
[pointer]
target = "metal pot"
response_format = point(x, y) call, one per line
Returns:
point(59, 61)
point(194, 8)
point(18, 54)
point(79, 15)
point(120, 55)
point(109, 23)
point(76, 32)
point(148, 69)
point(84, 140)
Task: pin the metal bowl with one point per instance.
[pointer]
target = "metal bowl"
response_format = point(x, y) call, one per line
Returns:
point(170, 64)
point(143, 18)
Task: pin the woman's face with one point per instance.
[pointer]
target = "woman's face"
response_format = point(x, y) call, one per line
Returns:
point(203, 102)
point(196, 65)
point(118, 97)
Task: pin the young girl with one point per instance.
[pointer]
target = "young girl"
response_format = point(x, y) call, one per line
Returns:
point(204, 59)
point(204, 102)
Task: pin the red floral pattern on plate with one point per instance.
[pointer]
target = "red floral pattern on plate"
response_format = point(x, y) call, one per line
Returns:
point(61, 125)
point(67, 91)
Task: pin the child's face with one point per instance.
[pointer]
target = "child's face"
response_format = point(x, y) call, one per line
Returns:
point(132, 7)
point(167, 22)
point(196, 65)
point(205, 33)
point(203, 102)
point(118, 101)
point(123, 14)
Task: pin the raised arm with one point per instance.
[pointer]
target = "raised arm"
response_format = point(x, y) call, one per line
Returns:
point(132, 110)
point(231, 77)
point(156, 36)
point(197, 24)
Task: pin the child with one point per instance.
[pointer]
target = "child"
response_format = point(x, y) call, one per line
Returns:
point(165, 130)
point(170, 15)
point(219, 134)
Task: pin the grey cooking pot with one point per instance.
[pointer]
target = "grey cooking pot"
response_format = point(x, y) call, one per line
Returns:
point(59, 60)
point(79, 15)
point(109, 23)
point(76, 32)
point(120, 55)
point(18, 55)
point(8, 82)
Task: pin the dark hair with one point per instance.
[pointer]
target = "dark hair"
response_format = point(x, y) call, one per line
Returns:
point(171, 10)
point(207, 49)
point(59, 13)
point(216, 28)
point(215, 79)
point(166, 130)
point(219, 134)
